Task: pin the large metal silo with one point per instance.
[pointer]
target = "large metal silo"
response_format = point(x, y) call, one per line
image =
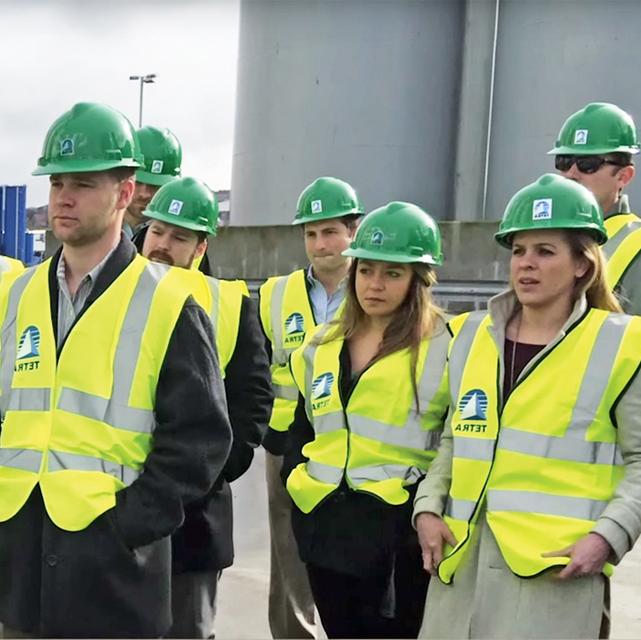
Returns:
point(365, 90)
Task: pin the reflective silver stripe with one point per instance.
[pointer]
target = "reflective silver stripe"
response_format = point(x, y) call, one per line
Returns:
point(473, 448)
point(382, 472)
point(9, 337)
point(328, 422)
point(115, 410)
point(62, 461)
point(411, 436)
point(25, 459)
point(460, 509)
point(324, 472)
point(574, 446)
point(542, 446)
point(214, 287)
point(611, 246)
point(461, 349)
point(597, 374)
point(5, 265)
point(309, 353)
point(279, 353)
point(286, 393)
point(107, 411)
point(23, 399)
point(545, 503)
point(433, 369)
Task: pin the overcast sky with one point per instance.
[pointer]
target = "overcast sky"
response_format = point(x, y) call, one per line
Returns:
point(59, 52)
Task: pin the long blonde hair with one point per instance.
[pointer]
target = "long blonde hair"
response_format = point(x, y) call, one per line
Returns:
point(416, 318)
point(593, 283)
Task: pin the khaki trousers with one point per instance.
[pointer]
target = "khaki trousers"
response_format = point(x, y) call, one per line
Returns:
point(193, 604)
point(486, 600)
point(291, 605)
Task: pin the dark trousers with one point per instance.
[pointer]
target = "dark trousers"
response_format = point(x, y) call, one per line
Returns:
point(373, 606)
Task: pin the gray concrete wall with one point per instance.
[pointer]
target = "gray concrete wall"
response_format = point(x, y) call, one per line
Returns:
point(256, 253)
point(361, 90)
point(450, 104)
point(552, 58)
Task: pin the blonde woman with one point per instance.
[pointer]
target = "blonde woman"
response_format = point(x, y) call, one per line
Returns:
point(366, 428)
point(536, 489)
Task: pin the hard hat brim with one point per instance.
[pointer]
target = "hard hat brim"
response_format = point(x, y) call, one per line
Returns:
point(591, 151)
point(82, 166)
point(381, 256)
point(504, 237)
point(155, 179)
point(178, 222)
point(321, 217)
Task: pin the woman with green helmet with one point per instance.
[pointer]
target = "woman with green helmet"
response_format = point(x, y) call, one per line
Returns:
point(536, 489)
point(368, 421)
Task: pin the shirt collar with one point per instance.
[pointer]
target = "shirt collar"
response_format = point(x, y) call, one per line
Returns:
point(314, 282)
point(91, 276)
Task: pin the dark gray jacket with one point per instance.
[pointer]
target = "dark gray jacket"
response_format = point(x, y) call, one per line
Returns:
point(112, 579)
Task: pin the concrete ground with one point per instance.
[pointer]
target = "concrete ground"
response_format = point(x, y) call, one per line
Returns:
point(242, 609)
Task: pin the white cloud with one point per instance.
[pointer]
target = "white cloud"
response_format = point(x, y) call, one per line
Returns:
point(57, 54)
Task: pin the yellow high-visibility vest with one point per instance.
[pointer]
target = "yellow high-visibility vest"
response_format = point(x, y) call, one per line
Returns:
point(80, 423)
point(623, 245)
point(376, 441)
point(10, 269)
point(286, 315)
point(222, 300)
point(545, 464)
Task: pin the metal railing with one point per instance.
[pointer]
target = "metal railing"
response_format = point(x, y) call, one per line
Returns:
point(455, 296)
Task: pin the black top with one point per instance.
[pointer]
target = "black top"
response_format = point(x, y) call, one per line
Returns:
point(349, 531)
point(516, 356)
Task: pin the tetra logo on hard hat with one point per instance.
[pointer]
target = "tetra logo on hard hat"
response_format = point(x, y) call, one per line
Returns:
point(317, 206)
point(542, 209)
point(156, 166)
point(67, 147)
point(376, 238)
point(175, 207)
point(581, 136)
point(28, 349)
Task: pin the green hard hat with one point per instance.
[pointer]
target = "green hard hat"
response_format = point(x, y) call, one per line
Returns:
point(185, 202)
point(162, 154)
point(596, 129)
point(327, 198)
point(89, 137)
point(398, 232)
point(552, 202)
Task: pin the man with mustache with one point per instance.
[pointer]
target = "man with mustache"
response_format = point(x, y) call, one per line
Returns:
point(328, 211)
point(162, 155)
point(182, 214)
point(108, 428)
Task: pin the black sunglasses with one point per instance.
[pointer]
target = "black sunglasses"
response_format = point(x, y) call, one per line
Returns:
point(585, 164)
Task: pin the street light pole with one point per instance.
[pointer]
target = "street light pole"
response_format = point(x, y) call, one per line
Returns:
point(144, 79)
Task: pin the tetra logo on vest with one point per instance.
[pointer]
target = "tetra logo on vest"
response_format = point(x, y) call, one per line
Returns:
point(28, 349)
point(322, 390)
point(472, 409)
point(294, 329)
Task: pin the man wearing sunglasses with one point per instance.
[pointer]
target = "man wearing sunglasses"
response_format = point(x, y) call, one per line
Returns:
point(595, 148)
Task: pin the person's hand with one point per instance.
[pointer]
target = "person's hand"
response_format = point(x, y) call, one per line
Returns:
point(587, 557)
point(432, 534)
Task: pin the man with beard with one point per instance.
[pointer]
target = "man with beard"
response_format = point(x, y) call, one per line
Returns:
point(182, 214)
point(162, 156)
point(108, 430)
point(328, 211)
